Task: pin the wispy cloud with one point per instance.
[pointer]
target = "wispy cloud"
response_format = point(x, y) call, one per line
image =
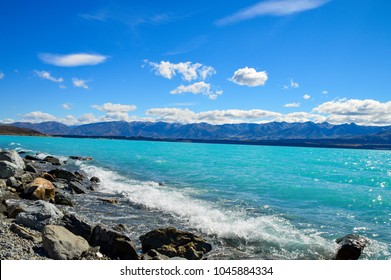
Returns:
point(306, 96)
point(2, 75)
point(66, 106)
point(189, 46)
point(198, 88)
point(292, 105)
point(292, 84)
point(272, 8)
point(79, 83)
point(72, 60)
point(45, 75)
point(249, 77)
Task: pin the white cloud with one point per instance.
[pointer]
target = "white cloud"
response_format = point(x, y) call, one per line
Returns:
point(292, 84)
point(47, 76)
point(72, 60)
point(272, 8)
point(249, 77)
point(79, 83)
point(361, 112)
point(114, 108)
point(2, 75)
point(325, 92)
point(197, 88)
point(37, 116)
point(66, 106)
point(306, 96)
point(292, 105)
point(212, 117)
point(187, 70)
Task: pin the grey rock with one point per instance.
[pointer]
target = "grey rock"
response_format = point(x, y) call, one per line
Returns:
point(77, 187)
point(3, 183)
point(350, 247)
point(52, 160)
point(8, 169)
point(13, 157)
point(61, 198)
point(61, 244)
point(26, 178)
point(64, 174)
point(95, 180)
point(77, 226)
point(38, 214)
point(30, 157)
point(175, 243)
point(31, 168)
point(154, 255)
point(15, 206)
point(13, 183)
point(113, 244)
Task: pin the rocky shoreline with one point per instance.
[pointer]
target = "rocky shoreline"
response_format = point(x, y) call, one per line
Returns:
point(35, 222)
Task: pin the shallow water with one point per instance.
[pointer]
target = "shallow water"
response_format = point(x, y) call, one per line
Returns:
point(257, 202)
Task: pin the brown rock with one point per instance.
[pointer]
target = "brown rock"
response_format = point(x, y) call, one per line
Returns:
point(41, 189)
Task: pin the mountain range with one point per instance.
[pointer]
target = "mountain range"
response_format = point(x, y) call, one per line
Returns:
point(273, 131)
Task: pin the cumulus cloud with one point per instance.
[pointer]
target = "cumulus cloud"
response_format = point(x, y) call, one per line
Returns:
point(306, 96)
point(292, 105)
point(249, 77)
point(272, 8)
point(37, 116)
point(79, 83)
point(2, 75)
point(187, 70)
point(72, 60)
point(197, 88)
point(114, 108)
point(362, 112)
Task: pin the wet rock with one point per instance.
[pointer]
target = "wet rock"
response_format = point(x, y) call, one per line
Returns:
point(26, 178)
point(52, 160)
point(61, 198)
point(30, 157)
point(14, 207)
point(77, 187)
point(113, 244)
point(80, 158)
point(13, 183)
point(13, 157)
point(38, 214)
point(3, 183)
point(175, 243)
point(31, 168)
point(24, 233)
point(120, 228)
point(108, 200)
point(64, 174)
point(77, 226)
point(40, 189)
point(153, 255)
point(61, 244)
point(95, 180)
point(47, 176)
point(350, 247)
point(8, 169)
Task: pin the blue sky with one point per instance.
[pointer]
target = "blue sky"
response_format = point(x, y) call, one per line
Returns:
point(196, 61)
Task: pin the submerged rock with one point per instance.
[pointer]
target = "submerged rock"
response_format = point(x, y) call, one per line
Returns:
point(175, 243)
point(350, 247)
point(95, 180)
point(108, 200)
point(30, 157)
point(113, 244)
point(80, 158)
point(61, 244)
point(52, 160)
point(77, 187)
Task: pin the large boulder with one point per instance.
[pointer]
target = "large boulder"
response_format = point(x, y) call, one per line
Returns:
point(350, 247)
point(113, 244)
point(61, 198)
point(61, 244)
point(8, 169)
point(77, 187)
point(175, 243)
point(31, 168)
point(40, 189)
point(77, 226)
point(38, 214)
point(13, 157)
point(65, 174)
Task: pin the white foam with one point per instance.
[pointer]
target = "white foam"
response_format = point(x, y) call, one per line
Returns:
point(271, 231)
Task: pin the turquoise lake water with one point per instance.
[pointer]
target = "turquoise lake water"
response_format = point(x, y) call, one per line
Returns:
point(251, 202)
